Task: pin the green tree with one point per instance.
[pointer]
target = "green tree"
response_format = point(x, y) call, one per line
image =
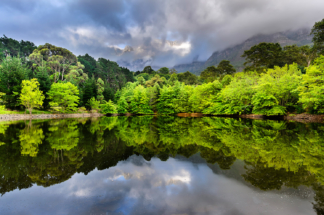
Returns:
point(225, 68)
point(276, 91)
point(12, 73)
point(89, 65)
point(59, 59)
point(94, 104)
point(148, 70)
point(43, 78)
point(164, 70)
point(140, 101)
point(156, 79)
point(210, 74)
point(188, 78)
point(108, 107)
point(318, 36)
point(294, 54)
point(263, 56)
point(100, 90)
point(31, 97)
point(312, 86)
point(88, 91)
point(64, 96)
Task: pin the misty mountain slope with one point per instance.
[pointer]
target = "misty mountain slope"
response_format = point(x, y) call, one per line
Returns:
point(194, 67)
point(233, 54)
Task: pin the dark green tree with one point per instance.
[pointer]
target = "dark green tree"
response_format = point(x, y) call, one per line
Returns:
point(164, 70)
point(148, 70)
point(318, 39)
point(188, 78)
point(12, 72)
point(263, 56)
point(89, 65)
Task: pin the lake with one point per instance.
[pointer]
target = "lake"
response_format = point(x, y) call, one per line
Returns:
point(161, 165)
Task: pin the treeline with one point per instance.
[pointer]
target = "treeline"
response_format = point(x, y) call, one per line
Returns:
point(276, 81)
point(48, 69)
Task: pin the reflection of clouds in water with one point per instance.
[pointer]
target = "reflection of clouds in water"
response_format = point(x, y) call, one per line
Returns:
point(171, 187)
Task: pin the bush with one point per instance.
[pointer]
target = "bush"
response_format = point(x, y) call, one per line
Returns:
point(108, 107)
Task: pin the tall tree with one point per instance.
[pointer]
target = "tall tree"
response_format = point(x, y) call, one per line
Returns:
point(188, 78)
point(164, 70)
point(31, 97)
point(89, 65)
point(225, 68)
point(59, 59)
point(263, 56)
point(100, 90)
point(318, 39)
point(64, 95)
point(12, 73)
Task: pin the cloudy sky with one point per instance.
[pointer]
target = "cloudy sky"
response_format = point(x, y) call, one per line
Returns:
point(161, 32)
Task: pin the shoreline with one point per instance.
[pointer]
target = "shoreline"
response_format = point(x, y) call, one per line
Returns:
point(304, 117)
point(13, 117)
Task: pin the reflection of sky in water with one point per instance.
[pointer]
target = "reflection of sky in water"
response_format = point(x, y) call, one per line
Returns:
point(137, 186)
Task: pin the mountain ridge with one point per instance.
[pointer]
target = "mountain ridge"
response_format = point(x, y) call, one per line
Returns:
point(299, 37)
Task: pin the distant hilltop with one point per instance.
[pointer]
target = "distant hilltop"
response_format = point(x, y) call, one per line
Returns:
point(299, 37)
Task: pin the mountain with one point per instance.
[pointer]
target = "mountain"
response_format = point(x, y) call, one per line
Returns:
point(233, 54)
point(194, 67)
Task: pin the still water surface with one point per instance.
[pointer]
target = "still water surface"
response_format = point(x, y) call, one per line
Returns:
point(161, 165)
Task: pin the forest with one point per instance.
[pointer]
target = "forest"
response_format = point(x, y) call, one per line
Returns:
point(276, 81)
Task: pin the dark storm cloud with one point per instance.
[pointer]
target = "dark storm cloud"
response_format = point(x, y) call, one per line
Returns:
point(103, 28)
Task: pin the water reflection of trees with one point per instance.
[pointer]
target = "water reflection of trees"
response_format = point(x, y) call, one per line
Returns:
point(276, 153)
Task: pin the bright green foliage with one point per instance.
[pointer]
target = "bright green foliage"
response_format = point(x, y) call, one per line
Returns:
point(154, 93)
point(168, 94)
point(31, 97)
point(155, 79)
point(140, 101)
point(236, 97)
point(276, 91)
point(76, 74)
point(312, 87)
point(108, 107)
point(141, 80)
point(203, 96)
point(122, 105)
point(173, 79)
point(63, 134)
point(182, 103)
point(64, 96)
point(226, 80)
point(12, 73)
point(94, 104)
point(30, 138)
point(100, 90)
point(59, 59)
